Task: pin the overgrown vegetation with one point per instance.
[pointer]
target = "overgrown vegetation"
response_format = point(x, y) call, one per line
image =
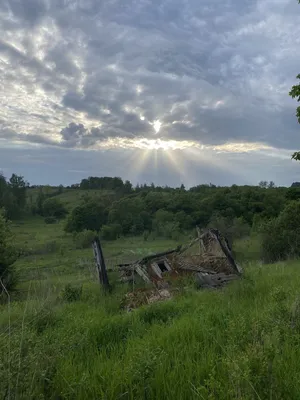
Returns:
point(242, 342)
point(7, 258)
point(61, 337)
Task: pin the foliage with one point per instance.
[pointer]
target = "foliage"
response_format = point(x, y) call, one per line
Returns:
point(53, 207)
point(150, 208)
point(18, 188)
point(266, 184)
point(90, 215)
point(50, 220)
point(128, 213)
point(13, 195)
point(164, 225)
point(233, 229)
point(94, 182)
point(84, 239)
point(295, 94)
point(7, 256)
point(281, 236)
point(293, 193)
point(111, 232)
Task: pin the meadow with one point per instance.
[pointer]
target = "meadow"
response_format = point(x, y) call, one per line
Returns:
point(241, 342)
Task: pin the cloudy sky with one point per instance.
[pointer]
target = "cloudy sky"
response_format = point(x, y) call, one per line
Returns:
point(170, 91)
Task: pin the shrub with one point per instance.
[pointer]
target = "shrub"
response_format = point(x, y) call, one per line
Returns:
point(50, 220)
point(53, 207)
point(281, 236)
point(111, 232)
point(71, 293)
point(84, 239)
point(90, 215)
point(7, 256)
point(146, 235)
point(165, 225)
point(233, 229)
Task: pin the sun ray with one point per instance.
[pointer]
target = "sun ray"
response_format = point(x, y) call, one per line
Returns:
point(177, 161)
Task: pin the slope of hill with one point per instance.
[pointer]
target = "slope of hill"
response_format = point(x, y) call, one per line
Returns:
point(61, 337)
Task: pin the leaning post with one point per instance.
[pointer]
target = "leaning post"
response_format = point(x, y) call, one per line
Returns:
point(100, 264)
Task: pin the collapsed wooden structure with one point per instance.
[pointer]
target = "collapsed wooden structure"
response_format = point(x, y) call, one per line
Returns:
point(209, 257)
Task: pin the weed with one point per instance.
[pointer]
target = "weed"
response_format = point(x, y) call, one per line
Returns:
point(71, 293)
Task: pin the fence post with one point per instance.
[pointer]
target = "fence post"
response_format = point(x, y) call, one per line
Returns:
point(100, 264)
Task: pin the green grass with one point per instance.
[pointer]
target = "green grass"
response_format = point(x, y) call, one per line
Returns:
point(242, 342)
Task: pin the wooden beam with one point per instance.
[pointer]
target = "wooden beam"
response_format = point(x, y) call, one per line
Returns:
point(100, 264)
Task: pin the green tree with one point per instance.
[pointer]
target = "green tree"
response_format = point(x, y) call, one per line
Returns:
point(111, 232)
point(281, 236)
point(91, 215)
point(18, 187)
point(295, 94)
point(39, 201)
point(53, 207)
point(128, 213)
point(127, 187)
point(12, 197)
point(7, 256)
point(263, 184)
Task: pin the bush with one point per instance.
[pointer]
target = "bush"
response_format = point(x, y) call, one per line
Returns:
point(84, 239)
point(232, 229)
point(8, 256)
point(146, 235)
point(90, 215)
point(164, 225)
point(111, 232)
point(50, 220)
point(281, 236)
point(53, 207)
point(71, 293)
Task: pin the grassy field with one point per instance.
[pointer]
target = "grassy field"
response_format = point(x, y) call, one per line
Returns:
point(242, 342)
point(69, 197)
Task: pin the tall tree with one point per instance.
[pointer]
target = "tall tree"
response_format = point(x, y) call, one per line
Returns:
point(295, 94)
point(7, 256)
point(18, 187)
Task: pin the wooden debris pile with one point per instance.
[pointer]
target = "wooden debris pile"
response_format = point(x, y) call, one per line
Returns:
point(144, 296)
point(209, 257)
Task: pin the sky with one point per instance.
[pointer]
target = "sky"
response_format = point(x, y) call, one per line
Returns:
point(169, 91)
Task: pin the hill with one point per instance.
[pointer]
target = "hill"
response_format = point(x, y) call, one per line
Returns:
point(60, 342)
point(62, 337)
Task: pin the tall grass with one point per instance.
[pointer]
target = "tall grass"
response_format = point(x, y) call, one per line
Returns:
point(242, 342)
point(59, 342)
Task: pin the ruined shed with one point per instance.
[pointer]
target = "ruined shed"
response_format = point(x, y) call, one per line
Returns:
point(209, 257)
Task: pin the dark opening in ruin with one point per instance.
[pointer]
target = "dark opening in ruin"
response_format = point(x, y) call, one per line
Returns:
point(162, 266)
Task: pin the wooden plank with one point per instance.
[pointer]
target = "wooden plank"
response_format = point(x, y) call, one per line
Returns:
point(167, 265)
point(156, 269)
point(97, 261)
point(139, 269)
point(201, 244)
point(100, 263)
point(226, 251)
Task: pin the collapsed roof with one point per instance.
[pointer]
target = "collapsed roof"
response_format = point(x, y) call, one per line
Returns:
point(209, 257)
